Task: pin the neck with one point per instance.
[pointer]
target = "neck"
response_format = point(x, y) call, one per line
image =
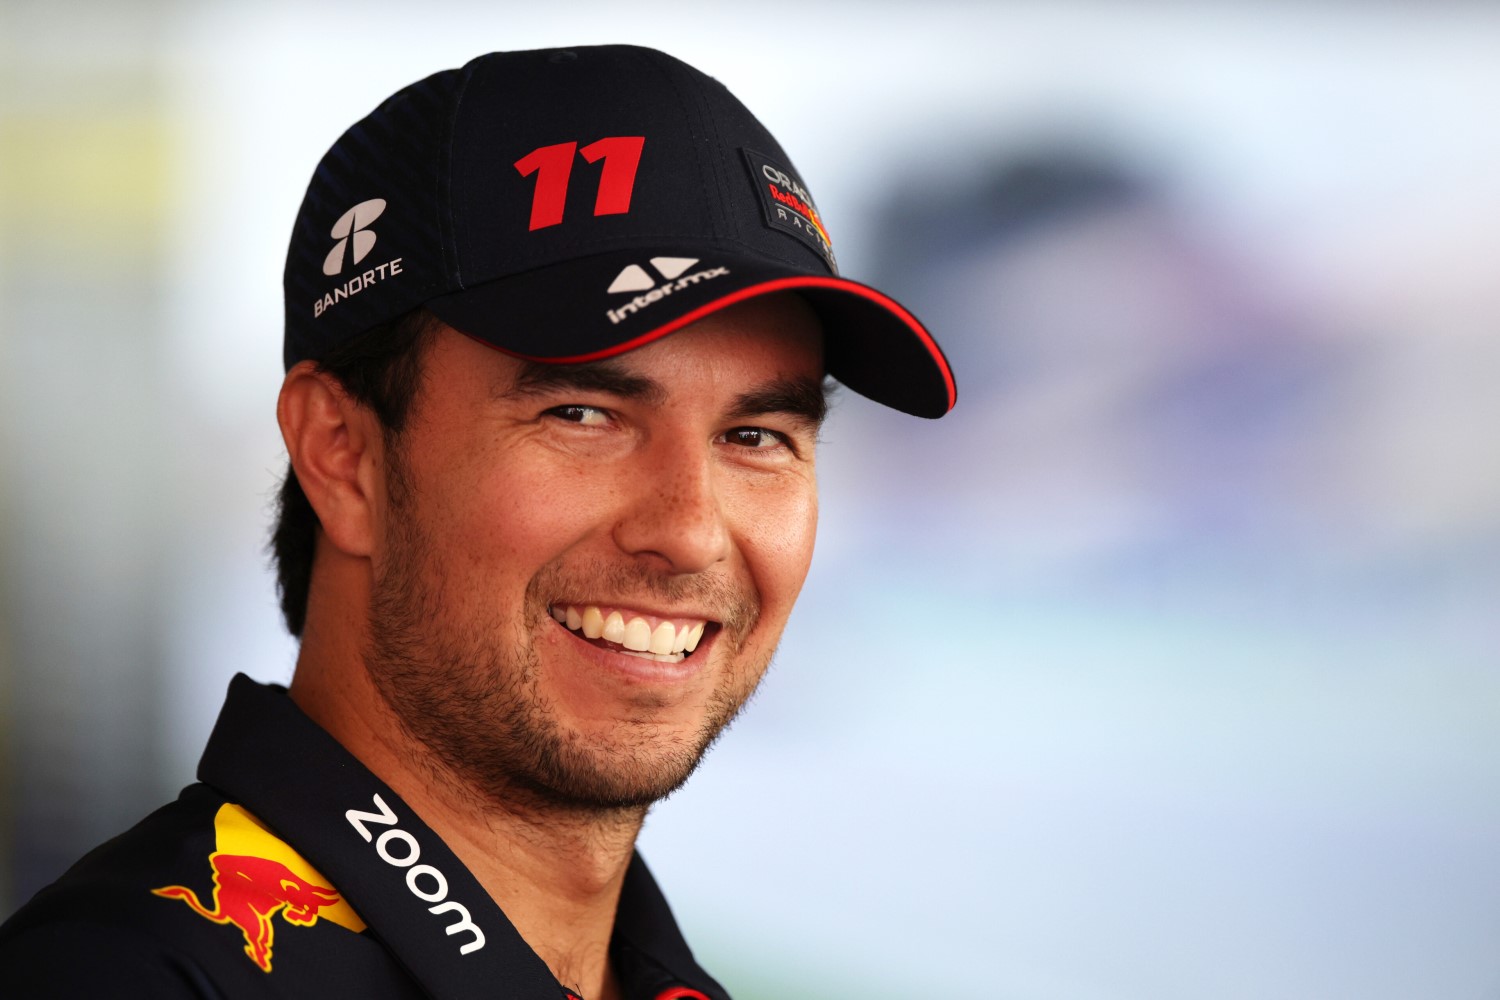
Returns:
point(555, 871)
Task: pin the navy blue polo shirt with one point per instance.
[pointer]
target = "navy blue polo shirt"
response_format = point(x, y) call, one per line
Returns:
point(290, 870)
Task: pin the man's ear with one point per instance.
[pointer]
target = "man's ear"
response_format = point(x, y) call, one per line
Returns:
point(335, 449)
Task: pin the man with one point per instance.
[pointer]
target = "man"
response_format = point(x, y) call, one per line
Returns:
point(557, 328)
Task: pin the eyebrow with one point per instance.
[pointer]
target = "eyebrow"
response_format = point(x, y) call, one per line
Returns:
point(804, 399)
point(537, 378)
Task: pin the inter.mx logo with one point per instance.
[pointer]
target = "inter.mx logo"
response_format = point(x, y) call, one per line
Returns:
point(635, 278)
point(355, 241)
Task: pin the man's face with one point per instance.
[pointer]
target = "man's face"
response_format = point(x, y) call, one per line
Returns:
point(666, 497)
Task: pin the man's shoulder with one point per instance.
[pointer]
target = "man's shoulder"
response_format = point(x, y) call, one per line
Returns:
point(99, 926)
point(199, 899)
point(104, 886)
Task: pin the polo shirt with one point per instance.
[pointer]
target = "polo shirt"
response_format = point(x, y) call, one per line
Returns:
point(289, 870)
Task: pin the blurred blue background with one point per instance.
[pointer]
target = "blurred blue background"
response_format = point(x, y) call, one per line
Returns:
point(1166, 666)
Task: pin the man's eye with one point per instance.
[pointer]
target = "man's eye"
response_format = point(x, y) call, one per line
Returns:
point(755, 437)
point(588, 416)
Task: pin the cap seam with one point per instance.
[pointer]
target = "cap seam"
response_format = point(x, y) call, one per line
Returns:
point(449, 225)
point(705, 124)
point(721, 204)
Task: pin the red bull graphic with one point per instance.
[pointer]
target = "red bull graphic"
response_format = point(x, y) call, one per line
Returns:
point(256, 877)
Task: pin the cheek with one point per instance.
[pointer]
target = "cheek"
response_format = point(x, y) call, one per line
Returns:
point(515, 516)
point(777, 530)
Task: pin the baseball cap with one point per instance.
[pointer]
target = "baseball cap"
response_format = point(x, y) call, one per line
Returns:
point(567, 205)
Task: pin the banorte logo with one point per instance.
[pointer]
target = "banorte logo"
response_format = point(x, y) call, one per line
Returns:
point(351, 229)
point(354, 244)
point(257, 876)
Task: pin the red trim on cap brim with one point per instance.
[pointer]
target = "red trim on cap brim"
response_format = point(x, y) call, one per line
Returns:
point(750, 292)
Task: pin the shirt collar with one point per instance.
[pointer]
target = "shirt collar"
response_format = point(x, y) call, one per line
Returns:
point(416, 896)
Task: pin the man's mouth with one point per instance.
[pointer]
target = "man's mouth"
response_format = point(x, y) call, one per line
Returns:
point(666, 640)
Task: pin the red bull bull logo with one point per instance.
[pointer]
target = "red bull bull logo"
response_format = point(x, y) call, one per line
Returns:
point(258, 876)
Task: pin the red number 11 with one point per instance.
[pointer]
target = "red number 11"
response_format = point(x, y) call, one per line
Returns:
point(553, 164)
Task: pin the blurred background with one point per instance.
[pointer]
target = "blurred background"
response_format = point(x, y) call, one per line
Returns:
point(1166, 666)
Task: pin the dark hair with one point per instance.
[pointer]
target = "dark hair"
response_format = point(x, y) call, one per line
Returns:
point(380, 369)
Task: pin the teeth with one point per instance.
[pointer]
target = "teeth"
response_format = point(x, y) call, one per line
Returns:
point(592, 622)
point(637, 635)
point(658, 657)
point(667, 642)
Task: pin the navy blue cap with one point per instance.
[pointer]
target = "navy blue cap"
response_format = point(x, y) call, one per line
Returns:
point(566, 205)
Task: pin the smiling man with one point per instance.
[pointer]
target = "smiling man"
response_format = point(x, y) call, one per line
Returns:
point(558, 329)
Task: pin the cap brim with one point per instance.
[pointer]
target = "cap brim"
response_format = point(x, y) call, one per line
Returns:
point(565, 314)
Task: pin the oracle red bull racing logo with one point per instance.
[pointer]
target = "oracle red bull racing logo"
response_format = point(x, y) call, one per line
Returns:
point(258, 877)
point(787, 204)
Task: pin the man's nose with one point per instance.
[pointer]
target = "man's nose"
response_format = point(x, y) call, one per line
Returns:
point(675, 517)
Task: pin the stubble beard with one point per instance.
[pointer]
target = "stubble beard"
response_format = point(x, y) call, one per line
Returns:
point(471, 699)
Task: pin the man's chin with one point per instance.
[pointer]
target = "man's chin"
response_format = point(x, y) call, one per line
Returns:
point(593, 776)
